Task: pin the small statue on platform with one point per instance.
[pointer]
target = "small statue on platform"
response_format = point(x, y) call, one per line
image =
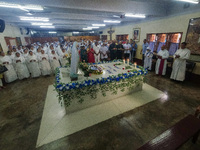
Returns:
point(74, 62)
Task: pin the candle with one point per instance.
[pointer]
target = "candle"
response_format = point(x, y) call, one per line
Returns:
point(128, 61)
point(135, 65)
point(124, 61)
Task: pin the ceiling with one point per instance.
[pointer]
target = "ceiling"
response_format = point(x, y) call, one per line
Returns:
point(73, 15)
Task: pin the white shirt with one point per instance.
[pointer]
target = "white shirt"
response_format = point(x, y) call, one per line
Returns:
point(96, 48)
point(127, 47)
point(104, 51)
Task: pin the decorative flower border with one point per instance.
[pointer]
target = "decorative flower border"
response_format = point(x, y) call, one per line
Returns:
point(63, 88)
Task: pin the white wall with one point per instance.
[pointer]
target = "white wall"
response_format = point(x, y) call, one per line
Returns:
point(11, 31)
point(169, 24)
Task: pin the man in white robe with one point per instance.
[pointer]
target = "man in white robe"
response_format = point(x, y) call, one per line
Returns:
point(104, 52)
point(179, 65)
point(96, 49)
point(161, 63)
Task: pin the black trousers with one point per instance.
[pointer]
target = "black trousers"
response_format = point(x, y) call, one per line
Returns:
point(119, 54)
point(113, 55)
point(142, 59)
point(133, 55)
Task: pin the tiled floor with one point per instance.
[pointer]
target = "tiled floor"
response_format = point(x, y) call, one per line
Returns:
point(55, 124)
point(22, 103)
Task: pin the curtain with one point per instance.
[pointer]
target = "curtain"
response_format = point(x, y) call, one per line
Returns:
point(159, 46)
point(173, 48)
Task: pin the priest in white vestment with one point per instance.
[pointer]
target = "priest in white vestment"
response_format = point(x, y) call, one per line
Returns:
point(44, 64)
point(161, 63)
point(20, 66)
point(10, 75)
point(33, 66)
point(179, 65)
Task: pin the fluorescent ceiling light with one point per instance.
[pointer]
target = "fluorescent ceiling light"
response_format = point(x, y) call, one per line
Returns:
point(34, 19)
point(93, 27)
point(52, 32)
point(41, 24)
point(190, 1)
point(29, 7)
point(87, 28)
point(112, 21)
point(92, 32)
point(32, 7)
point(47, 26)
point(116, 16)
point(30, 14)
point(99, 25)
point(76, 32)
point(135, 16)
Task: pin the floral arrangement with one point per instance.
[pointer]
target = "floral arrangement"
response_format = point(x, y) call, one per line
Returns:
point(76, 90)
point(128, 67)
point(117, 64)
point(90, 68)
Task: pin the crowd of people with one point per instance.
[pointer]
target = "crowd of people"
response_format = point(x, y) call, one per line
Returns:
point(179, 64)
point(43, 58)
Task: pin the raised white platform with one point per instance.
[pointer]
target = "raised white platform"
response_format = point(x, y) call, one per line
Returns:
point(55, 124)
point(108, 70)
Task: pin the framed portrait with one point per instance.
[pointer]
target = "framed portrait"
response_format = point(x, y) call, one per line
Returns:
point(19, 42)
point(193, 36)
point(136, 34)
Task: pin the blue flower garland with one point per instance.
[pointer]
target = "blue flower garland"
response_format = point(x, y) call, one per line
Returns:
point(61, 88)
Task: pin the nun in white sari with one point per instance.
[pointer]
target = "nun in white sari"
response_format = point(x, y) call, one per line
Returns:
point(44, 64)
point(63, 57)
point(33, 65)
point(9, 75)
point(54, 60)
point(20, 66)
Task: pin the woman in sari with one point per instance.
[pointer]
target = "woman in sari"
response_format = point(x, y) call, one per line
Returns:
point(90, 52)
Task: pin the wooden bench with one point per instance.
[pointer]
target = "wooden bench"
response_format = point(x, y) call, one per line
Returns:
point(175, 136)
